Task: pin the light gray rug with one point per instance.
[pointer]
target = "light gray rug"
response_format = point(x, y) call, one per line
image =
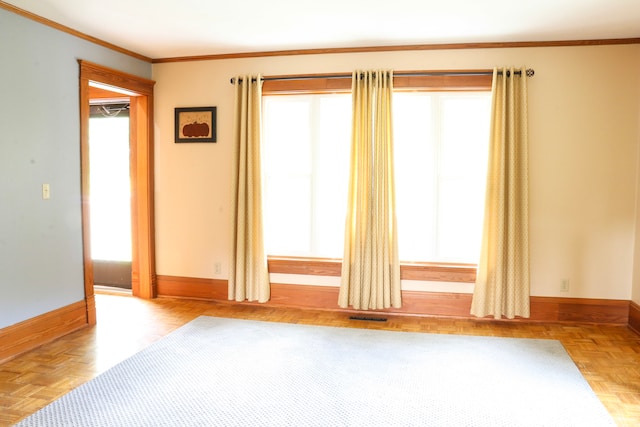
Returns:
point(227, 372)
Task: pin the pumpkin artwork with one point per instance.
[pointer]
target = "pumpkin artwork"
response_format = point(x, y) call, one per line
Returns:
point(195, 129)
point(195, 124)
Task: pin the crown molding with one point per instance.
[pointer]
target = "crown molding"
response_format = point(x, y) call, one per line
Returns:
point(400, 48)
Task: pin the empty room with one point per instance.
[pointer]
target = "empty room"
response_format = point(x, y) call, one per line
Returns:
point(337, 213)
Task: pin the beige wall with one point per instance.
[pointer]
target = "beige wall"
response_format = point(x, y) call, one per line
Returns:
point(635, 291)
point(584, 125)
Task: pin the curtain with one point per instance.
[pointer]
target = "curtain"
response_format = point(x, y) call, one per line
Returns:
point(370, 267)
point(248, 274)
point(502, 283)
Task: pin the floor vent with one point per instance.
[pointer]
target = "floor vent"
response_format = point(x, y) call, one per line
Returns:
point(368, 319)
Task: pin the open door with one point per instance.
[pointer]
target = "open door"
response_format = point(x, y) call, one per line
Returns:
point(140, 91)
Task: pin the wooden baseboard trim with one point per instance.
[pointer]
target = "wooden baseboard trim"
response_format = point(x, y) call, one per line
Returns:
point(192, 288)
point(634, 317)
point(414, 303)
point(580, 310)
point(29, 334)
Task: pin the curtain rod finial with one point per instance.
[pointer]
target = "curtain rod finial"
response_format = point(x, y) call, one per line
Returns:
point(530, 72)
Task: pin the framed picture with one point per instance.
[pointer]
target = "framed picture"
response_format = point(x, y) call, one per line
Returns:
point(195, 124)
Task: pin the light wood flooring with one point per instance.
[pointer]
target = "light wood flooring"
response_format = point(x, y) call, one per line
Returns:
point(608, 356)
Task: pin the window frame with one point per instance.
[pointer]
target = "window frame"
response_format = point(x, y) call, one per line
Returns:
point(412, 81)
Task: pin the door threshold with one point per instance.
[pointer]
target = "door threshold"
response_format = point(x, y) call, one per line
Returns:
point(111, 290)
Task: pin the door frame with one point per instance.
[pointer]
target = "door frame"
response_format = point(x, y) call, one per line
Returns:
point(140, 91)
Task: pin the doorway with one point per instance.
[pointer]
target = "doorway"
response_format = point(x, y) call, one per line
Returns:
point(140, 93)
point(110, 187)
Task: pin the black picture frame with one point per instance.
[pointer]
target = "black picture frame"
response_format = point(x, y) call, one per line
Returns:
point(195, 124)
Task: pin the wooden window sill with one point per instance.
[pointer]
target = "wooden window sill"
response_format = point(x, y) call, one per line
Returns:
point(436, 272)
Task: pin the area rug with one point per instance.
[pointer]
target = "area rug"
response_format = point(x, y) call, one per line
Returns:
point(230, 372)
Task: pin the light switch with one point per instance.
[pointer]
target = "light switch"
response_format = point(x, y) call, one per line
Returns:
point(46, 192)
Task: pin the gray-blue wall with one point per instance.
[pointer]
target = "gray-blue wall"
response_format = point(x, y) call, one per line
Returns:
point(41, 240)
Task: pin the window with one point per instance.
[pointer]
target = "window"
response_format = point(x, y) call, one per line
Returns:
point(440, 142)
point(306, 169)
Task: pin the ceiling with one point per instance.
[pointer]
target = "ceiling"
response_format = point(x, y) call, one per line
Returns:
point(178, 28)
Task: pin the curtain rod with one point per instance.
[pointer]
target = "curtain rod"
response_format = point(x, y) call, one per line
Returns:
point(530, 72)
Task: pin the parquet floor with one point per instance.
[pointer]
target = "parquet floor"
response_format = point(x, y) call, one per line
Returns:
point(608, 356)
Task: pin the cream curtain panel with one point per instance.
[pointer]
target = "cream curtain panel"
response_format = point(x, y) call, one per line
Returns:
point(502, 283)
point(370, 266)
point(248, 274)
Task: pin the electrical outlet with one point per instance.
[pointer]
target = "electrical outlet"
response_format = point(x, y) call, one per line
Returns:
point(564, 285)
point(46, 192)
point(217, 268)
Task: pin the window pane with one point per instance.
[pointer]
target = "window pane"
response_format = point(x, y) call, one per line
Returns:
point(464, 148)
point(460, 222)
point(462, 175)
point(288, 215)
point(332, 151)
point(440, 148)
point(287, 135)
point(415, 175)
point(306, 140)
